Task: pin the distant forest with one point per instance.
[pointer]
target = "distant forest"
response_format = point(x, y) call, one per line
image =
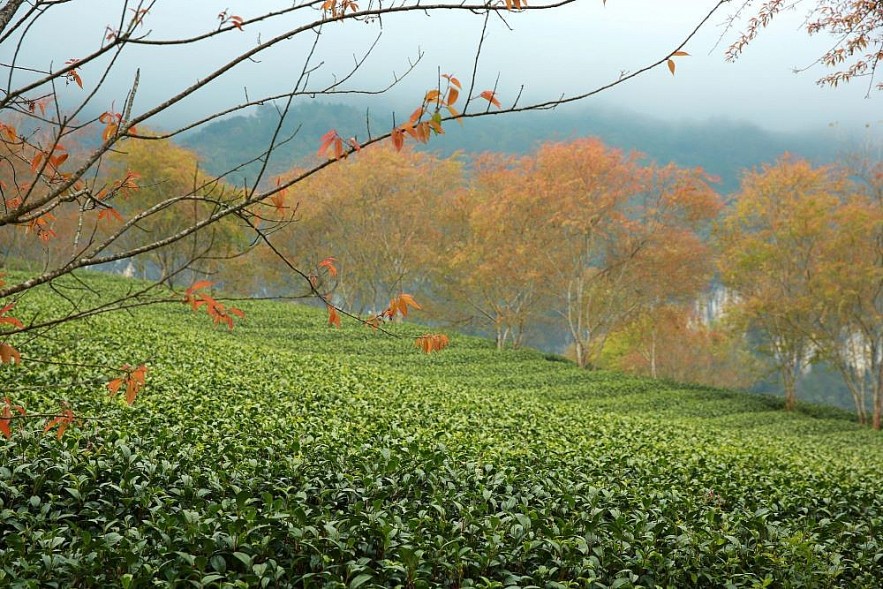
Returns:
point(722, 147)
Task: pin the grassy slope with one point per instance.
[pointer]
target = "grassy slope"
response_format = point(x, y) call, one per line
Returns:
point(303, 455)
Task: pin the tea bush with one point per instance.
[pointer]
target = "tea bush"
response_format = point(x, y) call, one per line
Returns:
point(289, 454)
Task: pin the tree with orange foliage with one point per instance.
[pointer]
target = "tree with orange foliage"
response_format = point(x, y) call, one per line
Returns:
point(849, 283)
point(494, 268)
point(624, 234)
point(771, 245)
point(803, 247)
point(377, 213)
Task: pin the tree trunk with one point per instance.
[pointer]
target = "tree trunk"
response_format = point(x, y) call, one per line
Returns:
point(789, 379)
point(653, 355)
point(580, 354)
point(877, 383)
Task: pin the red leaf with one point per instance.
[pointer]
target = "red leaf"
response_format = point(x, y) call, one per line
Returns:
point(491, 97)
point(333, 317)
point(9, 320)
point(109, 212)
point(36, 160)
point(62, 422)
point(134, 379)
point(326, 141)
point(328, 263)
point(432, 342)
point(114, 385)
point(398, 138)
point(6, 417)
point(8, 354)
point(198, 285)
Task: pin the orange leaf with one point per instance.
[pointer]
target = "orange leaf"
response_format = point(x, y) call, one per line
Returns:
point(406, 300)
point(333, 317)
point(109, 212)
point(398, 138)
point(325, 143)
point(9, 320)
point(421, 132)
point(432, 342)
point(6, 417)
point(134, 379)
point(36, 160)
point(453, 81)
point(58, 159)
point(9, 133)
point(455, 114)
point(61, 421)
point(114, 386)
point(137, 378)
point(671, 66)
point(415, 116)
point(329, 264)
point(453, 94)
point(680, 54)
point(198, 285)
point(491, 97)
point(432, 96)
point(8, 354)
point(109, 131)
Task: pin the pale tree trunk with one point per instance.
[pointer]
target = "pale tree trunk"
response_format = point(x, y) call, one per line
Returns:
point(853, 374)
point(580, 350)
point(857, 390)
point(653, 373)
point(790, 373)
point(877, 384)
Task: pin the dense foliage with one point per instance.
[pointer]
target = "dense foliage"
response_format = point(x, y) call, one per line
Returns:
point(284, 453)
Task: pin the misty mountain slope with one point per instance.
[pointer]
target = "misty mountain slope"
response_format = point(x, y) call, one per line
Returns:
point(226, 144)
point(722, 147)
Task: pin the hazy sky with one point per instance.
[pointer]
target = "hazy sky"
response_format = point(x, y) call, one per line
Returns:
point(567, 50)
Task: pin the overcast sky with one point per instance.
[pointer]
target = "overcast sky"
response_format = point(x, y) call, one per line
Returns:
point(567, 50)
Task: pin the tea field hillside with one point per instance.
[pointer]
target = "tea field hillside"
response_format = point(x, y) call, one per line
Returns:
point(286, 453)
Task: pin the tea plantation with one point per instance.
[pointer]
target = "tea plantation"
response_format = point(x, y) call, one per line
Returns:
point(289, 454)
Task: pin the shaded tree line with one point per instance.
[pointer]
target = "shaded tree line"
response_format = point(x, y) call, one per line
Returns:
point(615, 254)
